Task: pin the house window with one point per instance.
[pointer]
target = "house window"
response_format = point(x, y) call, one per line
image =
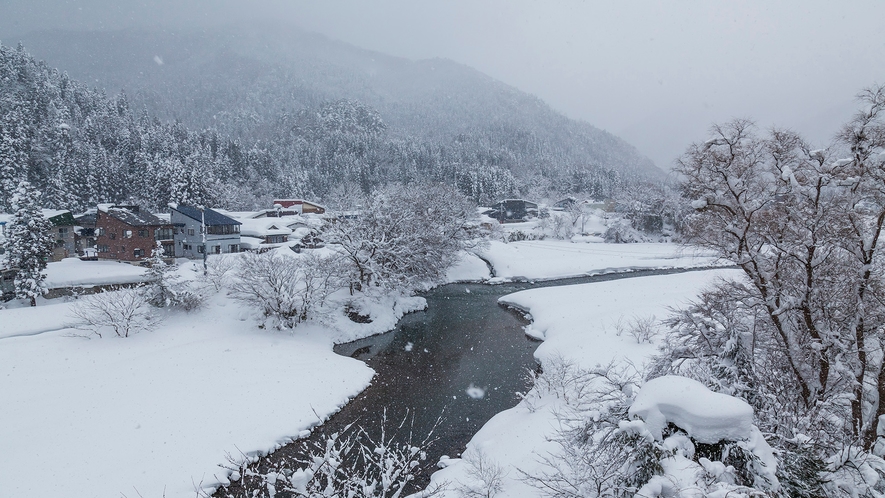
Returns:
point(127, 234)
point(62, 231)
point(187, 247)
point(200, 249)
point(114, 236)
point(138, 253)
point(233, 248)
point(142, 233)
point(103, 248)
point(99, 231)
point(123, 249)
point(164, 233)
point(181, 230)
point(190, 231)
point(216, 249)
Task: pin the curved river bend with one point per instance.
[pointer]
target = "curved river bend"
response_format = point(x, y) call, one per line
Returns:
point(427, 364)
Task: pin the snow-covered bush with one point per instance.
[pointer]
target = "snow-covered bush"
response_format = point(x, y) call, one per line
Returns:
point(220, 269)
point(673, 437)
point(485, 477)
point(519, 235)
point(620, 231)
point(287, 289)
point(165, 287)
point(561, 226)
point(349, 464)
point(123, 312)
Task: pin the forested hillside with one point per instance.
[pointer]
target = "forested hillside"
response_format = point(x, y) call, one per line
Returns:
point(234, 118)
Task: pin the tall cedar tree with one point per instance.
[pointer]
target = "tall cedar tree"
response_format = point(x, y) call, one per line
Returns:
point(29, 243)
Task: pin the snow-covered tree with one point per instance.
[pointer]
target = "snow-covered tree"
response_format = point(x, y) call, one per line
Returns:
point(287, 289)
point(29, 243)
point(123, 312)
point(13, 148)
point(405, 235)
point(165, 286)
point(800, 337)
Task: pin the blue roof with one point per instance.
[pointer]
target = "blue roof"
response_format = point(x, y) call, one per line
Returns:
point(213, 218)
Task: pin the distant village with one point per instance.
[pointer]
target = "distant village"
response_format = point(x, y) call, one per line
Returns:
point(129, 233)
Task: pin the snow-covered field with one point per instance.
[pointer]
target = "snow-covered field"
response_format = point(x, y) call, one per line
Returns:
point(547, 259)
point(580, 325)
point(154, 414)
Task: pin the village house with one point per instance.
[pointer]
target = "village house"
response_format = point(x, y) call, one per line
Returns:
point(512, 210)
point(128, 233)
point(84, 233)
point(298, 206)
point(264, 233)
point(222, 232)
point(62, 233)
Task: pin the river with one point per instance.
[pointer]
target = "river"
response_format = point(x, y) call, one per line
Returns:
point(464, 341)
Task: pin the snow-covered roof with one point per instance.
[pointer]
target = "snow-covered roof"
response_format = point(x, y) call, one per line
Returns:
point(241, 215)
point(262, 227)
point(247, 242)
point(52, 213)
point(131, 215)
point(211, 216)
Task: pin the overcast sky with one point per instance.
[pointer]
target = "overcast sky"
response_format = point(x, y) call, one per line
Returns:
point(655, 73)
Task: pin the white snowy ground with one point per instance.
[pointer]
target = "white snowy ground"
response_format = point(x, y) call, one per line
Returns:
point(579, 324)
point(548, 259)
point(155, 414)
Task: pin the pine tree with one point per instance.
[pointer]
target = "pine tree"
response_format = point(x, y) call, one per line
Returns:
point(13, 149)
point(29, 243)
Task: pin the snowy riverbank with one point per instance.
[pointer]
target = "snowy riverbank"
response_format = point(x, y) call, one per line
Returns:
point(580, 325)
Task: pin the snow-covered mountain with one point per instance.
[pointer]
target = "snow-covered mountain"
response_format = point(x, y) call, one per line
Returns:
point(243, 80)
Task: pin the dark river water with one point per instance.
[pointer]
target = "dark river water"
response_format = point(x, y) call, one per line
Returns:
point(426, 366)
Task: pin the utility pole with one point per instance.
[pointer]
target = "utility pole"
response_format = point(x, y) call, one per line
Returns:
point(203, 232)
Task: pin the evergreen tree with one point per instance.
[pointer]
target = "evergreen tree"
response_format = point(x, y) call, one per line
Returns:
point(29, 243)
point(13, 149)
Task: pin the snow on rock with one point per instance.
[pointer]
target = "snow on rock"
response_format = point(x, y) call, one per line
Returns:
point(707, 417)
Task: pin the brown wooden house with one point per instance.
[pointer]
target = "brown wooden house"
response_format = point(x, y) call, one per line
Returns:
point(128, 233)
point(299, 206)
